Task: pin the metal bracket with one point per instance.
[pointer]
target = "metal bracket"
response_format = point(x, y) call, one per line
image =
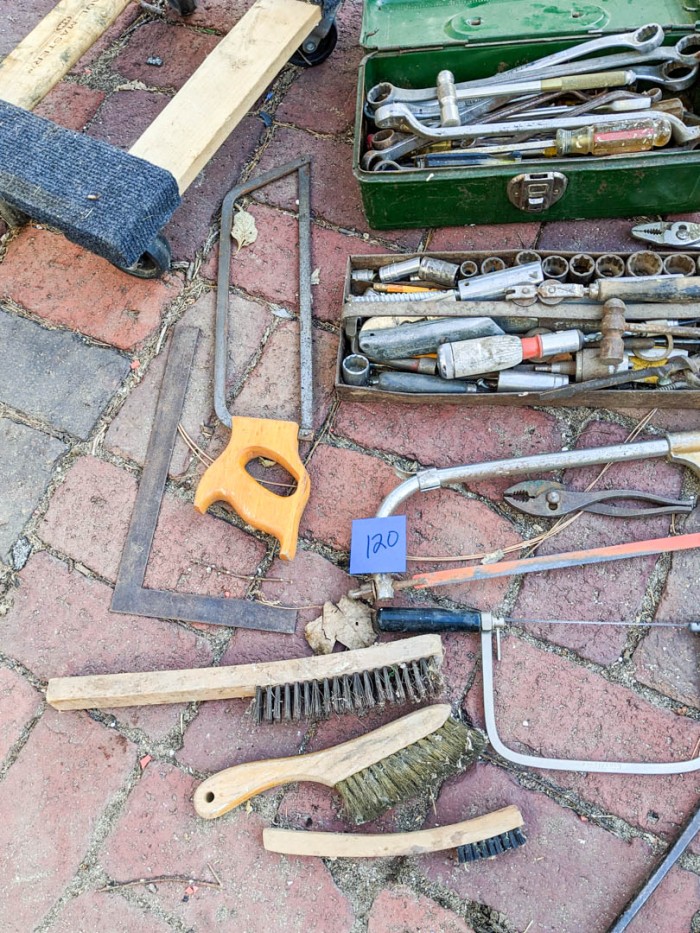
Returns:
point(562, 764)
point(130, 595)
point(536, 192)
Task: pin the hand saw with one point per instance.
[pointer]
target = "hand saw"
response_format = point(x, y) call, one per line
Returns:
point(227, 479)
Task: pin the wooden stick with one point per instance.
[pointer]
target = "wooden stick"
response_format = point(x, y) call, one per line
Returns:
point(187, 133)
point(51, 49)
point(100, 691)
point(387, 845)
point(230, 788)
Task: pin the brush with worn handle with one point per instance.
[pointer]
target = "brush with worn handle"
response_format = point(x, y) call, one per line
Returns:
point(371, 773)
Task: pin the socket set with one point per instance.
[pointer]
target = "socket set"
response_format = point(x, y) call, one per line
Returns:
point(523, 328)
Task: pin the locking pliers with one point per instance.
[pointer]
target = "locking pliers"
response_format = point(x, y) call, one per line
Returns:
point(680, 235)
point(549, 499)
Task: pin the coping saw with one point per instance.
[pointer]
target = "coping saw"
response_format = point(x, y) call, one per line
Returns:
point(227, 479)
point(682, 447)
point(484, 623)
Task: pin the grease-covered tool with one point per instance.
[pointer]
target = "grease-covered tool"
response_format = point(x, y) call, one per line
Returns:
point(407, 340)
point(227, 479)
point(548, 499)
point(371, 773)
point(483, 837)
point(299, 688)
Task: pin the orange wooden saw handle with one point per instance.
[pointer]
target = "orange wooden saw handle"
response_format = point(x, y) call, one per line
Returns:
point(227, 479)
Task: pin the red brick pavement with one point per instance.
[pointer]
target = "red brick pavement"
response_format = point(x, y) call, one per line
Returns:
point(78, 808)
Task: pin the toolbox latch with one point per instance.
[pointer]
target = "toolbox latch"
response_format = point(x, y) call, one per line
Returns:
point(536, 192)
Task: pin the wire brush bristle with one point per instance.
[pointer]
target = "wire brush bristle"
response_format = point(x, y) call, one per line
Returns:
point(418, 768)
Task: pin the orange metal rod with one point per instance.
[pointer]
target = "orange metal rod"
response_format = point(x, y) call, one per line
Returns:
point(506, 568)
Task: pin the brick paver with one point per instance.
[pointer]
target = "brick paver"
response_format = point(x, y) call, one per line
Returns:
point(54, 376)
point(60, 625)
point(19, 703)
point(70, 766)
point(27, 459)
point(398, 909)
point(65, 285)
point(160, 834)
point(105, 911)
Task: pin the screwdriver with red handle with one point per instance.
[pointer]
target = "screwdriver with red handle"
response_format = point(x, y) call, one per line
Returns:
point(481, 355)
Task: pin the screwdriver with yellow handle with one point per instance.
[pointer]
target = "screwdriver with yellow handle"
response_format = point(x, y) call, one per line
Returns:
point(598, 140)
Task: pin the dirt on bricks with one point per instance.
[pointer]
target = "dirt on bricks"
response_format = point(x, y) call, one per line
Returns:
point(98, 832)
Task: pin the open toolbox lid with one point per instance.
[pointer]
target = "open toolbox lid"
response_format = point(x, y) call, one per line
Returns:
point(415, 24)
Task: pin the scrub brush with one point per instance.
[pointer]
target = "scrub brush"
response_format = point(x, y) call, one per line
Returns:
point(482, 837)
point(301, 688)
point(371, 773)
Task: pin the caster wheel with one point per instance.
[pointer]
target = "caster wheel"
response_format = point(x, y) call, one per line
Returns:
point(320, 53)
point(153, 262)
point(183, 7)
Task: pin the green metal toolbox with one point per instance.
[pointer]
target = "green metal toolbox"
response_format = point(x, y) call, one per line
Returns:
point(410, 41)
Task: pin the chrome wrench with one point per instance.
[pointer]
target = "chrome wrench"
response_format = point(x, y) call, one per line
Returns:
point(643, 39)
point(397, 116)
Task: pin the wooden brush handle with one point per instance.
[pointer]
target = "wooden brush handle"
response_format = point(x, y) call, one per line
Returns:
point(227, 789)
point(227, 479)
point(100, 691)
point(382, 845)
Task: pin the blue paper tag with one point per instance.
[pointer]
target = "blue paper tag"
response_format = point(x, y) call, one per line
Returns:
point(378, 545)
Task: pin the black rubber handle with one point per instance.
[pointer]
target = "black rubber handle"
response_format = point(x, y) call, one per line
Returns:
point(428, 620)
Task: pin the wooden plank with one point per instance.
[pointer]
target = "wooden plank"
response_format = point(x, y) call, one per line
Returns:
point(100, 691)
point(51, 49)
point(387, 845)
point(185, 135)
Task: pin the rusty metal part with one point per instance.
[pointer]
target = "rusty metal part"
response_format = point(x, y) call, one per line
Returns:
point(549, 499)
point(612, 325)
point(655, 879)
point(301, 166)
point(130, 594)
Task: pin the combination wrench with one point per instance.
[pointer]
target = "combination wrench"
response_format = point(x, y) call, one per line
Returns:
point(643, 39)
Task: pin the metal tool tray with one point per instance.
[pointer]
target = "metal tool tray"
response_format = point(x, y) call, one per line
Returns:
point(413, 40)
point(605, 398)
